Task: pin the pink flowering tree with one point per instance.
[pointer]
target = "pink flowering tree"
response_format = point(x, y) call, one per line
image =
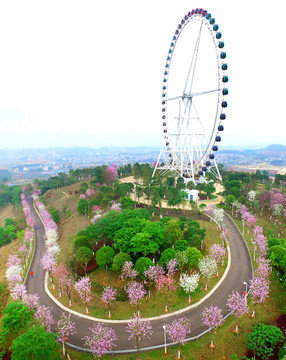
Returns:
point(60, 274)
point(171, 267)
point(217, 252)
point(152, 274)
point(111, 173)
point(44, 315)
point(107, 296)
point(261, 241)
point(212, 317)
point(31, 300)
point(65, 328)
point(128, 272)
point(100, 340)
point(178, 331)
point(238, 305)
point(18, 291)
point(166, 285)
point(264, 267)
point(139, 330)
point(259, 290)
point(83, 288)
point(135, 292)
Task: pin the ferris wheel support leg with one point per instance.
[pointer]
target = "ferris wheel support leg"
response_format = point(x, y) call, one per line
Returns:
point(218, 173)
point(159, 157)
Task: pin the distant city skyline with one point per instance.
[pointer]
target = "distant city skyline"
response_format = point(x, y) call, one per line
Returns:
point(90, 73)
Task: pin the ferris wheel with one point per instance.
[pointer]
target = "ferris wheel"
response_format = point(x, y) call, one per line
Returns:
point(193, 98)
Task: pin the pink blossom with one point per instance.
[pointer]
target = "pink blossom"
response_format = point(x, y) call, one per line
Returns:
point(237, 304)
point(135, 292)
point(111, 172)
point(107, 296)
point(178, 330)
point(166, 285)
point(259, 289)
point(44, 315)
point(139, 329)
point(82, 196)
point(212, 317)
point(83, 287)
point(18, 291)
point(31, 300)
point(48, 262)
point(264, 268)
point(127, 271)
point(65, 328)
point(217, 252)
point(13, 260)
point(101, 340)
point(171, 267)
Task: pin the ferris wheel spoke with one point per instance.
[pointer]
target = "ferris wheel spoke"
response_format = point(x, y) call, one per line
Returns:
point(200, 93)
point(194, 61)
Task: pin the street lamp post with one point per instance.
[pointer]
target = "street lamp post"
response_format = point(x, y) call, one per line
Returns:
point(245, 283)
point(165, 340)
point(242, 227)
point(254, 248)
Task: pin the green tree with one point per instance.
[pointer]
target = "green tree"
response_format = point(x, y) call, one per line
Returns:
point(180, 185)
point(142, 243)
point(263, 339)
point(83, 256)
point(104, 256)
point(36, 344)
point(181, 245)
point(209, 189)
point(194, 255)
point(229, 200)
point(82, 206)
point(55, 214)
point(173, 231)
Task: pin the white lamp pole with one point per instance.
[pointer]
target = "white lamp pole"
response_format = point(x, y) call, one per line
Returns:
point(165, 340)
point(245, 283)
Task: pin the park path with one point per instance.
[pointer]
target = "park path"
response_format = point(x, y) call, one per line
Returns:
point(240, 271)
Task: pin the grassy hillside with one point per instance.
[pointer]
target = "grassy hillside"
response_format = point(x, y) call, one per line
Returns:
point(65, 200)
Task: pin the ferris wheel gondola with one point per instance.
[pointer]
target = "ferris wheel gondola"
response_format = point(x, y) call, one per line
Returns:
point(194, 98)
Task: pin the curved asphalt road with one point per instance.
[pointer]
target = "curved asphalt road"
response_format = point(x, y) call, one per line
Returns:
point(239, 272)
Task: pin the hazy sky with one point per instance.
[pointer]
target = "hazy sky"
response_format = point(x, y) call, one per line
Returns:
point(90, 73)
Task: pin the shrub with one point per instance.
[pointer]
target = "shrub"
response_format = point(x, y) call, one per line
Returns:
point(79, 242)
point(166, 256)
point(263, 339)
point(119, 260)
point(104, 256)
point(143, 264)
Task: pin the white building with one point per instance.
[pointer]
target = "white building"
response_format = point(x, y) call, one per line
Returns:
point(192, 194)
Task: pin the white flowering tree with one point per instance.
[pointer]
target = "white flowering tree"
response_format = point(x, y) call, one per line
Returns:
point(189, 283)
point(208, 267)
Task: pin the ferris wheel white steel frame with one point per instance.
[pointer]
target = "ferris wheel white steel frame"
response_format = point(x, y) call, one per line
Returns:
point(187, 150)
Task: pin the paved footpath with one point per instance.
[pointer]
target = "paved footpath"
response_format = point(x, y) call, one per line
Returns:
point(240, 271)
